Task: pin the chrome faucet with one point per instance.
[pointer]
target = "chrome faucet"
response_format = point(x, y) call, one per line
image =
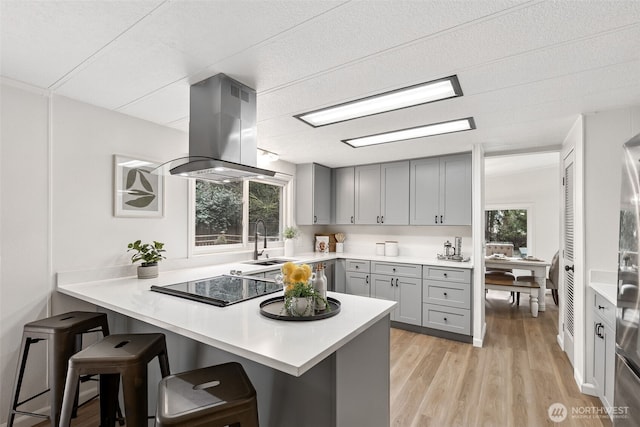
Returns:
point(256, 254)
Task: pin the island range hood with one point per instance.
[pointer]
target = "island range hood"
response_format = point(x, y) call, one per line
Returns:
point(222, 133)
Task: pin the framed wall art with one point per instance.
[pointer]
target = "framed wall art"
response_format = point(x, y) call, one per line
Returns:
point(137, 191)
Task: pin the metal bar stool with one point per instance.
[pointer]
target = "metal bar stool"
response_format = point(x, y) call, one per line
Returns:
point(122, 355)
point(64, 333)
point(216, 396)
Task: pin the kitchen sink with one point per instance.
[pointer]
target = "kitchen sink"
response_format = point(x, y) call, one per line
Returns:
point(274, 261)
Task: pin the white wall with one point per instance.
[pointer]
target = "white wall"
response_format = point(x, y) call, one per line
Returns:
point(25, 280)
point(605, 132)
point(539, 190)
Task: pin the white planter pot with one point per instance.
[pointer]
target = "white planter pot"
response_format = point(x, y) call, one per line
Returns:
point(148, 272)
point(289, 247)
point(301, 307)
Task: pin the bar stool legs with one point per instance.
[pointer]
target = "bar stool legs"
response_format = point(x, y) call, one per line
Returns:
point(64, 333)
point(123, 356)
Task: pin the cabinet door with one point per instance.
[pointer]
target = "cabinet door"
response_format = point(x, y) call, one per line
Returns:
point(424, 191)
point(321, 194)
point(384, 287)
point(609, 366)
point(345, 195)
point(409, 297)
point(367, 180)
point(394, 196)
point(455, 190)
point(598, 356)
point(358, 284)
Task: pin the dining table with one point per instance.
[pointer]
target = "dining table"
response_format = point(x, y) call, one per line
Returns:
point(537, 267)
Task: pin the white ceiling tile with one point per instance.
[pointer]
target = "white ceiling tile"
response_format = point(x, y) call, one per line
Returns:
point(44, 40)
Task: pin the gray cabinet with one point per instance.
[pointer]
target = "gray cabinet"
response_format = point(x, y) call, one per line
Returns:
point(446, 298)
point(440, 190)
point(344, 190)
point(382, 194)
point(367, 194)
point(394, 193)
point(358, 278)
point(403, 285)
point(313, 194)
point(604, 341)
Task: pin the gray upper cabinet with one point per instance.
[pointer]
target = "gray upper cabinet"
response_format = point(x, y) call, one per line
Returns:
point(440, 191)
point(344, 179)
point(381, 194)
point(313, 194)
point(367, 194)
point(394, 195)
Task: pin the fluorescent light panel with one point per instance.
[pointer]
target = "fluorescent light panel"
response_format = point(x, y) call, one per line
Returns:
point(412, 133)
point(422, 93)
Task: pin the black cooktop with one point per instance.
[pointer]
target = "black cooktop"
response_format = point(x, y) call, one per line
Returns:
point(222, 290)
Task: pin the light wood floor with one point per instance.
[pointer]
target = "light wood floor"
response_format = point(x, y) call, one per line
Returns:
point(511, 381)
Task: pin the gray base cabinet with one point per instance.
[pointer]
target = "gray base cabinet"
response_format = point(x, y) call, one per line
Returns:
point(604, 341)
point(400, 283)
point(358, 278)
point(446, 299)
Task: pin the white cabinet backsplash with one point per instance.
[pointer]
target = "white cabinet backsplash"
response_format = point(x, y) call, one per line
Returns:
point(416, 241)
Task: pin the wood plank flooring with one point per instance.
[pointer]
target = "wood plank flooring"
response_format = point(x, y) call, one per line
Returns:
point(511, 381)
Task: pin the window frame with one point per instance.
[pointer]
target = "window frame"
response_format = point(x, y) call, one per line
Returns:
point(282, 180)
point(514, 206)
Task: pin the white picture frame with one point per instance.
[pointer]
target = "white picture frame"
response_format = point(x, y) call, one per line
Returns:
point(137, 192)
point(322, 244)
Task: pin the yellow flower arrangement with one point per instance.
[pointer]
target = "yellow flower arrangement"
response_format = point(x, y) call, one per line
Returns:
point(296, 279)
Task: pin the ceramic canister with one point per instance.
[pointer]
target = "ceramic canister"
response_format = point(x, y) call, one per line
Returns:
point(391, 248)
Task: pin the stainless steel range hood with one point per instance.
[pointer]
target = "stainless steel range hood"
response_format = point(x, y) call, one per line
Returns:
point(222, 133)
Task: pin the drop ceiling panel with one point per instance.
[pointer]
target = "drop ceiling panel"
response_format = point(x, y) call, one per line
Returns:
point(42, 41)
point(352, 32)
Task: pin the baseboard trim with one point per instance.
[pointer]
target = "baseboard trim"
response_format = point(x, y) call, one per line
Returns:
point(478, 342)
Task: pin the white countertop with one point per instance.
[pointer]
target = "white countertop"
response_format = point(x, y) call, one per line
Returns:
point(604, 283)
point(291, 347)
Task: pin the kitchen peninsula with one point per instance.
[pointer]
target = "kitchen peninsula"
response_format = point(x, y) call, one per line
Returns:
point(305, 373)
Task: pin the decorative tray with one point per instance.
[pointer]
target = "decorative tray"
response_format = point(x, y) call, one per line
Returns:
point(274, 309)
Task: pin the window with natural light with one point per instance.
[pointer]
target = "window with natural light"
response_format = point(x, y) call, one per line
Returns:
point(220, 212)
point(507, 226)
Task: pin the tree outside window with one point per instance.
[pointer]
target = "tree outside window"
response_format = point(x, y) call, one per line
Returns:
point(507, 226)
point(219, 211)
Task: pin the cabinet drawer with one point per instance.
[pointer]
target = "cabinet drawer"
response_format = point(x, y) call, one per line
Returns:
point(605, 309)
point(446, 293)
point(462, 275)
point(446, 319)
point(361, 266)
point(404, 270)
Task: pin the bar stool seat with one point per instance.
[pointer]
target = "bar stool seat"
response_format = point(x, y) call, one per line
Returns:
point(118, 356)
point(215, 396)
point(64, 333)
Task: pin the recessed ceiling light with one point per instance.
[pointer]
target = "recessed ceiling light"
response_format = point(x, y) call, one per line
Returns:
point(411, 133)
point(423, 93)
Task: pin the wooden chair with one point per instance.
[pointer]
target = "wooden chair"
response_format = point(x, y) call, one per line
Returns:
point(510, 284)
point(499, 274)
point(552, 280)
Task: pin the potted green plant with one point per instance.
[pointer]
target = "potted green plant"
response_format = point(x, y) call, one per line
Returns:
point(149, 254)
point(289, 234)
